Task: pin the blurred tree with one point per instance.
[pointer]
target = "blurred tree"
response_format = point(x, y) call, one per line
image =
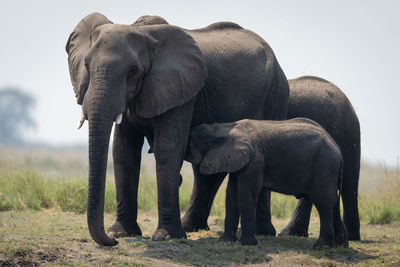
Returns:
point(15, 115)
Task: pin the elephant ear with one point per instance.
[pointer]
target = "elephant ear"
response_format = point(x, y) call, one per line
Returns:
point(77, 46)
point(177, 73)
point(229, 153)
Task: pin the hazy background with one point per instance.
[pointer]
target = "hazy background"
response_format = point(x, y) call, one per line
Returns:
point(355, 45)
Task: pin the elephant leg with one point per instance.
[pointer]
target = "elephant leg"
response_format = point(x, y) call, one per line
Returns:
point(205, 187)
point(231, 211)
point(263, 215)
point(350, 213)
point(275, 109)
point(298, 225)
point(326, 232)
point(249, 187)
point(171, 133)
point(351, 172)
point(341, 235)
point(127, 150)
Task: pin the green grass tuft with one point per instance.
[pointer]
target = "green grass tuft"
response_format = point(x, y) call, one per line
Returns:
point(383, 205)
point(282, 206)
point(24, 190)
point(71, 195)
point(29, 189)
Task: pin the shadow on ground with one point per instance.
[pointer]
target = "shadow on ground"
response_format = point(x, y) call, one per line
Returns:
point(203, 251)
point(270, 250)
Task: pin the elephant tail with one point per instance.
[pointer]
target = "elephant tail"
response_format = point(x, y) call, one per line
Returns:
point(340, 182)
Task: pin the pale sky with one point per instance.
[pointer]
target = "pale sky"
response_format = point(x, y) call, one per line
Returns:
point(354, 44)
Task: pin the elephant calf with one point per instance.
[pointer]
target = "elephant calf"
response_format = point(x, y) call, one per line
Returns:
point(295, 157)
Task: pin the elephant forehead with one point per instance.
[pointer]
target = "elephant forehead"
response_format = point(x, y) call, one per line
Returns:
point(117, 33)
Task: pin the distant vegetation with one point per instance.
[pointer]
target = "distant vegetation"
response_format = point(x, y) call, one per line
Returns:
point(38, 185)
point(15, 115)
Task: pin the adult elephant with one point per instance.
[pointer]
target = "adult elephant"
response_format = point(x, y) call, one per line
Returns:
point(157, 81)
point(320, 100)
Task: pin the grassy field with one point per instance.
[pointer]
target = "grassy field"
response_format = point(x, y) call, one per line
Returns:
point(43, 197)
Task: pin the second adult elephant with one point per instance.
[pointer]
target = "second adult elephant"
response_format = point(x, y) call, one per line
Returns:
point(156, 81)
point(320, 100)
point(323, 102)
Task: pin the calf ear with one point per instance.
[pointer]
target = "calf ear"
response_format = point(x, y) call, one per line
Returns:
point(228, 154)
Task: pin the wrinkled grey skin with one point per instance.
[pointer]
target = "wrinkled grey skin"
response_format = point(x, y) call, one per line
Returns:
point(164, 80)
point(295, 157)
point(320, 100)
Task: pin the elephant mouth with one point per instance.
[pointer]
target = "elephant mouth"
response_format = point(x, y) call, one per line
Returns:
point(117, 120)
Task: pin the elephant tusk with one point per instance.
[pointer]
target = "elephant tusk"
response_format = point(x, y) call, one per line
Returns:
point(81, 121)
point(118, 119)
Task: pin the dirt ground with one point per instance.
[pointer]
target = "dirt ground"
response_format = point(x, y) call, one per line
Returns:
point(29, 238)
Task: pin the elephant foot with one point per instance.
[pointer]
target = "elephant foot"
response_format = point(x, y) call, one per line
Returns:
point(228, 237)
point(321, 243)
point(118, 231)
point(162, 235)
point(191, 225)
point(248, 241)
point(341, 240)
point(354, 236)
point(295, 231)
point(265, 229)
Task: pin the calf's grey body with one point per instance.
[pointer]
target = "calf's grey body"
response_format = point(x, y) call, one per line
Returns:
point(295, 157)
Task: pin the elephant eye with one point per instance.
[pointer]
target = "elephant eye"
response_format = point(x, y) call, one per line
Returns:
point(132, 71)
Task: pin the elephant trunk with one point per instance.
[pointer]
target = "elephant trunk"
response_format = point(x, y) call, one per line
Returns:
point(101, 118)
point(99, 135)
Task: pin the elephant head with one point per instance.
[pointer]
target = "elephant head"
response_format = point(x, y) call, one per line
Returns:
point(220, 147)
point(150, 68)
